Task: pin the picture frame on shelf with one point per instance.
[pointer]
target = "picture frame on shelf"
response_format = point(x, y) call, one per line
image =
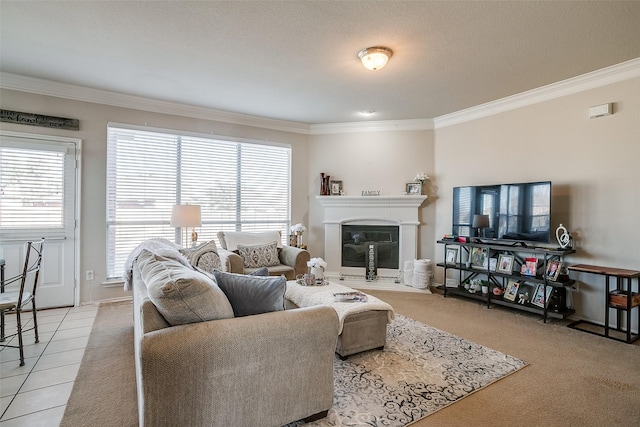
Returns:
point(451, 256)
point(512, 290)
point(529, 267)
point(336, 187)
point(479, 258)
point(553, 270)
point(505, 264)
point(538, 298)
point(414, 188)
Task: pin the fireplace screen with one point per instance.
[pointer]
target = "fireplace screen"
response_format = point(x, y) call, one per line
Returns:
point(357, 240)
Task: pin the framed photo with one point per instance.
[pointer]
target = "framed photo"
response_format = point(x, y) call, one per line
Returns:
point(538, 296)
point(479, 258)
point(553, 270)
point(512, 290)
point(451, 255)
point(505, 264)
point(529, 267)
point(414, 188)
point(336, 188)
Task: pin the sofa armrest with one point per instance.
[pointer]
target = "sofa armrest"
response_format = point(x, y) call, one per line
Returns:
point(231, 261)
point(296, 258)
point(207, 372)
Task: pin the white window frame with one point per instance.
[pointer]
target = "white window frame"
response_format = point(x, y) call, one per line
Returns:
point(226, 214)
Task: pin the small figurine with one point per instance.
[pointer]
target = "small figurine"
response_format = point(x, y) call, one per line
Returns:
point(523, 298)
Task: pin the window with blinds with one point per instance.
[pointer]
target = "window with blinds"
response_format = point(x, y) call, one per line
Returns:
point(240, 186)
point(31, 188)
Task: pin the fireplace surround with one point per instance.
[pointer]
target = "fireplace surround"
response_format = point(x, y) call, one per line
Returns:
point(401, 211)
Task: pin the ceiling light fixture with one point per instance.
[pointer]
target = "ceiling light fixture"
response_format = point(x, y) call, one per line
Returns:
point(374, 58)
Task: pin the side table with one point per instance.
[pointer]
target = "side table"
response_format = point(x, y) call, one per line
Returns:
point(623, 299)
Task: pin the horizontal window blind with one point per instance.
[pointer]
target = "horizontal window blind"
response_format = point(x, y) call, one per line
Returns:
point(31, 188)
point(240, 186)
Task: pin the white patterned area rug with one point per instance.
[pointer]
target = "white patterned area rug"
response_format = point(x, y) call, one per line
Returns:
point(420, 371)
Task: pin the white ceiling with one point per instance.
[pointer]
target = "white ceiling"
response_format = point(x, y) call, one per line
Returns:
point(296, 61)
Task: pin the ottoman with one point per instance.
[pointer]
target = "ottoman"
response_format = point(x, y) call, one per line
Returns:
point(363, 325)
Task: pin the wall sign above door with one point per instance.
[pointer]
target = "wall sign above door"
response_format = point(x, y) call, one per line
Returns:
point(38, 120)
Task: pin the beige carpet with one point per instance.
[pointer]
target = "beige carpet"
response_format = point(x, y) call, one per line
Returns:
point(104, 393)
point(573, 378)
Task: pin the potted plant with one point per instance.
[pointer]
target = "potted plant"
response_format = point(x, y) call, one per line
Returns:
point(484, 285)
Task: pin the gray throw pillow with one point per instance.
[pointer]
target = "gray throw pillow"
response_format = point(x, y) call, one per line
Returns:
point(262, 271)
point(181, 294)
point(257, 256)
point(250, 294)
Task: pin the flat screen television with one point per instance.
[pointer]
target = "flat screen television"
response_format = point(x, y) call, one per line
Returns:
point(518, 212)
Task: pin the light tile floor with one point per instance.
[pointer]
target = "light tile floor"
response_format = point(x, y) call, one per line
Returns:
point(36, 394)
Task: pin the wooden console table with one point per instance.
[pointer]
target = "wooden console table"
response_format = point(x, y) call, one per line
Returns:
point(623, 291)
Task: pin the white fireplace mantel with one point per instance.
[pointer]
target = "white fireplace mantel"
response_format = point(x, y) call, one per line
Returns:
point(402, 211)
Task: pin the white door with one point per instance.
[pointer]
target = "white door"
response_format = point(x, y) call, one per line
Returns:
point(38, 184)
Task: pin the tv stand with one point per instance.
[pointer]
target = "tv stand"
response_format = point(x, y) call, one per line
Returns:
point(553, 293)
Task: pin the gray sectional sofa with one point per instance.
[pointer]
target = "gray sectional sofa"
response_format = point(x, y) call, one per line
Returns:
point(198, 364)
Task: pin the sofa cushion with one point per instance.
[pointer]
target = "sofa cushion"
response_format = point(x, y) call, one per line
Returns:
point(230, 240)
point(182, 294)
point(250, 294)
point(257, 256)
point(204, 256)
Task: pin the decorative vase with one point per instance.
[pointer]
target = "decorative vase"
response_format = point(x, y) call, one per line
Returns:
point(298, 239)
point(318, 272)
point(325, 189)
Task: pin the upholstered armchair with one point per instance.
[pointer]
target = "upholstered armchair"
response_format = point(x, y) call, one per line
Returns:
point(247, 252)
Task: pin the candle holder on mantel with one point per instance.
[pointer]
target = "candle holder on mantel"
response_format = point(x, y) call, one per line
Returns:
point(325, 188)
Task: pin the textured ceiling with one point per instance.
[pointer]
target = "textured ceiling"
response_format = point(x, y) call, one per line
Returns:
point(297, 61)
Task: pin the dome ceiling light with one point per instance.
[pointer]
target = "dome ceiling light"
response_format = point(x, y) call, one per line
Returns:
point(374, 58)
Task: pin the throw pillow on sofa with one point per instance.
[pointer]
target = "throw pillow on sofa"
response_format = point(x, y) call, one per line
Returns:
point(181, 294)
point(204, 256)
point(257, 256)
point(250, 294)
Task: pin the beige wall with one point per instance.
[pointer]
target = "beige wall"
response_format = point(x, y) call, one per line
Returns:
point(383, 161)
point(593, 165)
point(93, 132)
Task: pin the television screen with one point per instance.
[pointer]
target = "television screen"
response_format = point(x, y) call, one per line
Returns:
point(517, 212)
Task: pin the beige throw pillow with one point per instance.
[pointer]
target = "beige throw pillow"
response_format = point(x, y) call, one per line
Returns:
point(204, 256)
point(257, 256)
point(181, 294)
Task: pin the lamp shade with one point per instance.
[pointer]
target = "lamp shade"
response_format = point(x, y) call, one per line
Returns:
point(186, 216)
point(480, 221)
point(374, 58)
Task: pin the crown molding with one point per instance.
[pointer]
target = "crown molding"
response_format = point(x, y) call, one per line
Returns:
point(615, 73)
point(373, 126)
point(605, 76)
point(115, 99)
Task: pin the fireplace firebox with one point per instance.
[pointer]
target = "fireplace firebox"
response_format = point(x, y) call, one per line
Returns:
point(358, 241)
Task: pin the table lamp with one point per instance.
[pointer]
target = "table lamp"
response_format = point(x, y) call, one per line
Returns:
point(480, 222)
point(187, 216)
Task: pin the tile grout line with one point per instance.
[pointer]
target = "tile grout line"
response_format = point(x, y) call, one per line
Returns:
point(31, 370)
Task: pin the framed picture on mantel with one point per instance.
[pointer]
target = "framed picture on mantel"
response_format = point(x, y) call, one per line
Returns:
point(414, 188)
